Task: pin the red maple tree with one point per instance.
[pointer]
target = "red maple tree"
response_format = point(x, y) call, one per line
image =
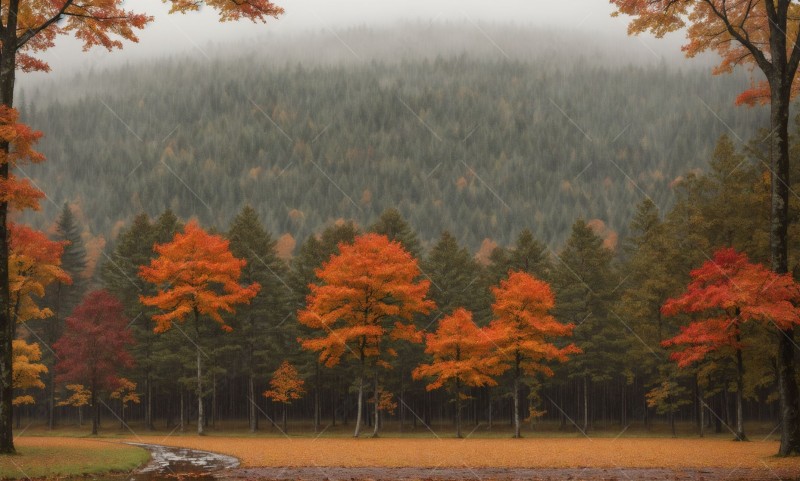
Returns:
point(726, 292)
point(366, 298)
point(196, 275)
point(94, 348)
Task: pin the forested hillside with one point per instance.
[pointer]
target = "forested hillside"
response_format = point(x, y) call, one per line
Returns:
point(475, 143)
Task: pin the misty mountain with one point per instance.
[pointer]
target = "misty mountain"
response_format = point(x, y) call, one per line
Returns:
point(459, 134)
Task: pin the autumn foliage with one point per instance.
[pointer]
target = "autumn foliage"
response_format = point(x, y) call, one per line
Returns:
point(727, 291)
point(196, 275)
point(366, 297)
point(94, 347)
point(738, 31)
point(461, 357)
point(286, 384)
point(18, 193)
point(190, 272)
point(524, 330)
point(34, 263)
point(27, 369)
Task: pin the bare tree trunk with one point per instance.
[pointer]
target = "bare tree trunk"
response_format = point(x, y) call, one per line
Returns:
point(458, 409)
point(377, 407)
point(360, 404)
point(183, 413)
point(252, 407)
point(740, 436)
point(95, 413)
point(585, 404)
point(200, 413)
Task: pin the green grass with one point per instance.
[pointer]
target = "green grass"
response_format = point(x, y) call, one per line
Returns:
point(58, 457)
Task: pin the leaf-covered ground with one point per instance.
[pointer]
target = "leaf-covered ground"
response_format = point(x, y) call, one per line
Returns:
point(482, 453)
point(41, 457)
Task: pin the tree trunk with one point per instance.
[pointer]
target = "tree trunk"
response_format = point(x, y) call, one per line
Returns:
point(148, 416)
point(200, 414)
point(51, 400)
point(251, 393)
point(285, 428)
point(585, 404)
point(360, 404)
point(316, 398)
point(458, 409)
point(95, 413)
point(740, 436)
point(7, 325)
point(183, 412)
point(377, 407)
point(702, 414)
point(516, 406)
point(780, 88)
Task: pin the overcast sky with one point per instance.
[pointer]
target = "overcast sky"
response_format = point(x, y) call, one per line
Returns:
point(175, 33)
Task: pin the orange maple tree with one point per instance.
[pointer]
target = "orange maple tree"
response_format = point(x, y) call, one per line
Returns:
point(763, 36)
point(523, 330)
point(196, 275)
point(366, 298)
point(287, 386)
point(726, 292)
point(34, 263)
point(461, 353)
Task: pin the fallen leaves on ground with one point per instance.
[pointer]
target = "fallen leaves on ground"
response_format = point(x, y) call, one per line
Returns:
point(480, 453)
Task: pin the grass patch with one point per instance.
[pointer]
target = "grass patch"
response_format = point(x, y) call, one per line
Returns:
point(42, 457)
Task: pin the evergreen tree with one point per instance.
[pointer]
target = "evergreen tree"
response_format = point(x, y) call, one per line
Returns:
point(261, 333)
point(454, 275)
point(392, 224)
point(585, 285)
point(62, 298)
point(120, 275)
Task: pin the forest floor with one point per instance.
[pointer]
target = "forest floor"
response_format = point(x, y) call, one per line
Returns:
point(40, 457)
point(398, 459)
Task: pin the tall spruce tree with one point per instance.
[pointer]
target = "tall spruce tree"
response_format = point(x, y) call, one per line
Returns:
point(262, 332)
point(585, 284)
point(392, 224)
point(62, 298)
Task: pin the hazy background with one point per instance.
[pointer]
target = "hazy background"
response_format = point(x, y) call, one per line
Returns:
point(200, 32)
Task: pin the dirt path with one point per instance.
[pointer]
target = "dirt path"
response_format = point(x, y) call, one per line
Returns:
point(505, 474)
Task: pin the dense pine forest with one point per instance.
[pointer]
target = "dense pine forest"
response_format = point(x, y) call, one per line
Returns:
point(472, 142)
point(608, 183)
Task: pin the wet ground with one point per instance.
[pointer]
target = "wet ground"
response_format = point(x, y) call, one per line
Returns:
point(168, 463)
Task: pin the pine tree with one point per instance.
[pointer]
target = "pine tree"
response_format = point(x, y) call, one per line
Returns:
point(454, 275)
point(62, 298)
point(585, 284)
point(133, 249)
point(262, 332)
point(392, 224)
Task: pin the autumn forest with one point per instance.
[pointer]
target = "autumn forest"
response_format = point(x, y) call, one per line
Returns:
point(408, 232)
